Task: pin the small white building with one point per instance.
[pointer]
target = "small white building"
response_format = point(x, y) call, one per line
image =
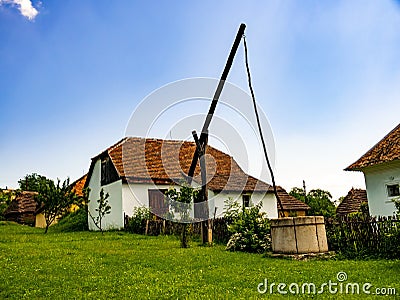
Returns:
point(381, 168)
point(135, 172)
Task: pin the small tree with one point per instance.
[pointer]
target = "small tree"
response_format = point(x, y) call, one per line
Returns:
point(181, 201)
point(54, 200)
point(102, 210)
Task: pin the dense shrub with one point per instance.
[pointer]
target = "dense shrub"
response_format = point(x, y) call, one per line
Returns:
point(5, 201)
point(248, 227)
point(73, 221)
point(137, 223)
point(397, 205)
point(393, 237)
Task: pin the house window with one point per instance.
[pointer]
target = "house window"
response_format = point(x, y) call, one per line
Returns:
point(393, 190)
point(108, 172)
point(246, 200)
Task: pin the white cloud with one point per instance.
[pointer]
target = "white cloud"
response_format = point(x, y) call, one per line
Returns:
point(24, 6)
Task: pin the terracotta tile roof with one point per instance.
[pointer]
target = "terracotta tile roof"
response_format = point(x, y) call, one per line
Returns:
point(161, 161)
point(352, 202)
point(22, 208)
point(386, 150)
point(289, 202)
point(78, 185)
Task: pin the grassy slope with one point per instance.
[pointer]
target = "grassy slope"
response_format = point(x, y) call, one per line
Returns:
point(121, 265)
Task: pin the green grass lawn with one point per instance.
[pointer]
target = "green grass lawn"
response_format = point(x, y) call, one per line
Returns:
point(121, 265)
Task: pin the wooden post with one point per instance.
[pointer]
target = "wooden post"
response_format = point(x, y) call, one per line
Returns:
point(203, 169)
point(305, 192)
point(163, 226)
point(201, 143)
point(203, 211)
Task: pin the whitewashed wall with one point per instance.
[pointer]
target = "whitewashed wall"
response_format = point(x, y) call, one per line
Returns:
point(124, 198)
point(376, 179)
point(269, 202)
point(136, 195)
point(115, 219)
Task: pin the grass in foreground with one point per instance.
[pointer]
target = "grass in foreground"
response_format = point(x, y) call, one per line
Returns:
point(121, 265)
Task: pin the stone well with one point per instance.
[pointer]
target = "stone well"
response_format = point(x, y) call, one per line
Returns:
point(299, 235)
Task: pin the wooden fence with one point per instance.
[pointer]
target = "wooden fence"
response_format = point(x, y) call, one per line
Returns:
point(166, 227)
point(355, 236)
point(358, 236)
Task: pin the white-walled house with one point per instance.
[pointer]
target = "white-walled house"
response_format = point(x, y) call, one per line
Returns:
point(135, 172)
point(381, 168)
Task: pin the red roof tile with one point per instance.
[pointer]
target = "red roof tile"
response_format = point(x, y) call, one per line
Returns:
point(78, 185)
point(143, 160)
point(386, 150)
point(352, 202)
point(289, 202)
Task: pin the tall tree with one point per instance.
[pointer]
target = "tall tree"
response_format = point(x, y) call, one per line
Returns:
point(55, 199)
point(32, 182)
point(319, 200)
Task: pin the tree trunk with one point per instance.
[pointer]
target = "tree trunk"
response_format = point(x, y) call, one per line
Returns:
point(184, 236)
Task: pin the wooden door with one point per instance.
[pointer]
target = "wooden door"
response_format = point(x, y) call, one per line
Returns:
point(157, 204)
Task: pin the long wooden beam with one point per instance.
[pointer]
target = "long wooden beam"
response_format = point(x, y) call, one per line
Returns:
point(217, 94)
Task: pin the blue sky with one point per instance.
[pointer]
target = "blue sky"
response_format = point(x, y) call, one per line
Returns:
point(326, 73)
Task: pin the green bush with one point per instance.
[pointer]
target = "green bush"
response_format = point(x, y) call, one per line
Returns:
point(392, 239)
point(249, 228)
point(74, 221)
point(137, 223)
point(391, 242)
point(5, 201)
point(397, 205)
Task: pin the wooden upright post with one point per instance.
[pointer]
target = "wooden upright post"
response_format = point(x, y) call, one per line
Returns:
point(202, 210)
point(201, 143)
